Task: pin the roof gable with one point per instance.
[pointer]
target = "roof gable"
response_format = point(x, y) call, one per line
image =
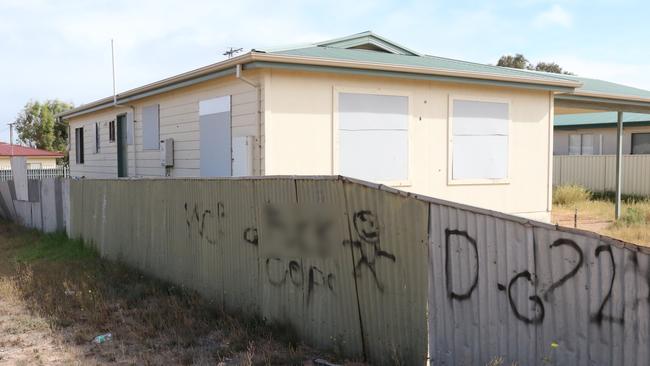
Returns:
point(368, 41)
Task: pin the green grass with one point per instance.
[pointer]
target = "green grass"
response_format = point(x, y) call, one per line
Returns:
point(54, 247)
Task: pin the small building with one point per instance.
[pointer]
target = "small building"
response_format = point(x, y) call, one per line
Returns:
point(36, 158)
point(360, 106)
point(595, 134)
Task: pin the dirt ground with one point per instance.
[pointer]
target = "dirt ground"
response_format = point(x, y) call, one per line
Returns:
point(584, 222)
point(56, 296)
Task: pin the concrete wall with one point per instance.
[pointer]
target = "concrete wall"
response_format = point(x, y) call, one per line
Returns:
point(561, 139)
point(598, 173)
point(300, 112)
point(179, 119)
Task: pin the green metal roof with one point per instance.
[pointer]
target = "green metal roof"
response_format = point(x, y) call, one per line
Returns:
point(599, 120)
point(425, 61)
point(605, 87)
point(342, 49)
point(370, 54)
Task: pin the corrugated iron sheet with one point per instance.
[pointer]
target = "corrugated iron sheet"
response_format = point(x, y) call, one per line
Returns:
point(367, 270)
point(338, 262)
point(534, 294)
point(598, 172)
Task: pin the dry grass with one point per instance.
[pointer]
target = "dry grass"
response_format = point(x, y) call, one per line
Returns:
point(570, 194)
point(596, 213)
point(63, 295)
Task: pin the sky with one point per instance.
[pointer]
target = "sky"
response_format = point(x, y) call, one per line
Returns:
point(61, 49)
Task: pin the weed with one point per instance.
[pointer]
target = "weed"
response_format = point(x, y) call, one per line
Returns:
point(570, 194)
point(79, 295)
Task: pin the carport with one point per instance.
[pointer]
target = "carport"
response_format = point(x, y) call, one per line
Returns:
point(598, 96)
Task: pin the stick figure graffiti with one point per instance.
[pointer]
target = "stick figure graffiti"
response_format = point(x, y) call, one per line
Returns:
point(366, 227)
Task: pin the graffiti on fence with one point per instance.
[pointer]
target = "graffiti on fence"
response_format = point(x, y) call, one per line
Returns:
point(448, 267)
point(602, 257)
point(196, 218)
point(281, 272)
point(368, 246)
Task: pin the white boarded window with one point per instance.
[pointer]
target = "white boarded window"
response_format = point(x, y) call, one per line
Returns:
point(151, 127)
point(480, 140)
point(373, 137)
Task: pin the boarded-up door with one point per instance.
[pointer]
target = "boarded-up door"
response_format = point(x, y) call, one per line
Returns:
point(215, 137)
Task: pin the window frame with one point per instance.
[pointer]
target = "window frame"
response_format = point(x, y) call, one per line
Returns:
point(450, 140)
point(632, 142)
point(79, 147)
point(593, 143)
point(335, 136)
point(97, 137)
point(111, 131)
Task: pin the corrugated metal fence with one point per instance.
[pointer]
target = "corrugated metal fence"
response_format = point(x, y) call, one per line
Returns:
point(46, 208)
point(371, 271)
point(598, 172)
point(343, 264)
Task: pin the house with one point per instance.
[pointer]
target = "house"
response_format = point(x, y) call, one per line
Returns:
point(595, 134)
point(361, 106)
point(36, 158)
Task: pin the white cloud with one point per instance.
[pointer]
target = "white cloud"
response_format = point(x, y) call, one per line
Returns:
point(555, 16)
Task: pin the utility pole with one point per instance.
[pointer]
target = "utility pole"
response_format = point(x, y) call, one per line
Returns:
point(11, 137)
point(232, 51)
point(619, 165)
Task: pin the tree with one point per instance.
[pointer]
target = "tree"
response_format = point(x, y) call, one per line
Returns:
point(38, 127)
point(551, 67)
point(518, 61)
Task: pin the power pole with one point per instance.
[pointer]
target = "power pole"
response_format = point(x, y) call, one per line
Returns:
point(232, 51)
point(11, 137)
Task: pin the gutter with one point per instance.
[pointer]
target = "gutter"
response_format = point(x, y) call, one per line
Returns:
point(579, 95)
point(602, 125)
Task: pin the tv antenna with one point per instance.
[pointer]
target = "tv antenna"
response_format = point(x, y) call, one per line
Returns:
point(232, 51)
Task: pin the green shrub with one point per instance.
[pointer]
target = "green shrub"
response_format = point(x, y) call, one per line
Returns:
point(633, 215)
point(570, 194)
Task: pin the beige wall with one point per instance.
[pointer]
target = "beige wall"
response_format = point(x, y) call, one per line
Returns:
point(46, 163)
point(561, 138)
point(179, 119)
point(295, 135)
point(299, 113)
